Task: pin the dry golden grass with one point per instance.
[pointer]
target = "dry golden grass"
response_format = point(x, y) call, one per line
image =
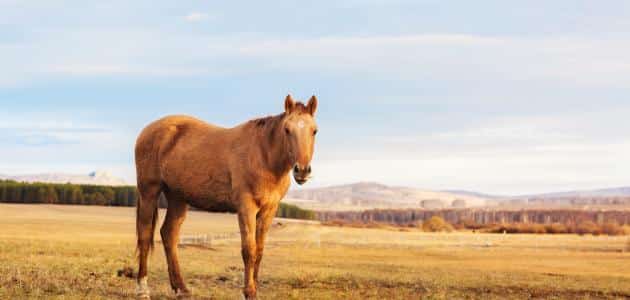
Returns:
point(72, 252)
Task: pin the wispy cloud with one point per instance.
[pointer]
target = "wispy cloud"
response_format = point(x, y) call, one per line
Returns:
point(133, 70)
point(14, 124)
point(455, 57)
point(14, 139)
point(452, 57)
point(42, 131)
point(195, 17)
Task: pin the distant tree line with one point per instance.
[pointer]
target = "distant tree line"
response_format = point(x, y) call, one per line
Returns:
point(438, 224)
point(51, 193)
point(293, 212)
point(481, 216)
point(583, 228)
point(81, 194)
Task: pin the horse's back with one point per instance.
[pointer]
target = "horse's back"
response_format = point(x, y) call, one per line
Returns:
point(163, 136)
point(176, 122)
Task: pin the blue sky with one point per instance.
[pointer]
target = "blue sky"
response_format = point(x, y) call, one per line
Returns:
point(491, 96)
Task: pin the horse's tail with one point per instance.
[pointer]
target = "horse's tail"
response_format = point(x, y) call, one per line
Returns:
point(139, 223)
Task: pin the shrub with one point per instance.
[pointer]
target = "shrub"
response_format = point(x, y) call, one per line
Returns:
point(415, 224)
point(503, 228)
point(436, 224)
point(532, 228)
point(335, 222)
point(469, 224)
point(518, 228)
point(612, 228)
point(459, 226)
point(294, 212)
point(376, 225)
point(587, 227)
point(556, 228)
point(356, 224)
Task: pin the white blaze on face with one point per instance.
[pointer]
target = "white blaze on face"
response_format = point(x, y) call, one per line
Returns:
point(300, 124)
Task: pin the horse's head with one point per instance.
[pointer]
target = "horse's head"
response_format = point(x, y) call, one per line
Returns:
point(300, 129)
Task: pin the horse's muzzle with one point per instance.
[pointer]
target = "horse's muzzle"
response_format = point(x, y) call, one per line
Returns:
point(301, 174)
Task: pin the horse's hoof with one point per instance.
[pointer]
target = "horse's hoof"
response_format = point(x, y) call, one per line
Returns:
point(143, 297)
point(142, 289)
point(143, 294)
point(185, 294)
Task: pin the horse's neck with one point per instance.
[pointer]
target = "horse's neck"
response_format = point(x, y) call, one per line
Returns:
point(276, 156)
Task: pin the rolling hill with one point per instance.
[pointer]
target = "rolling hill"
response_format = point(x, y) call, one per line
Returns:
point(609, 192)
point(370, 195)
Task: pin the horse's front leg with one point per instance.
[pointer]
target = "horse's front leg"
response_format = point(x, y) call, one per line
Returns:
point(247, 223)
point(263, 223)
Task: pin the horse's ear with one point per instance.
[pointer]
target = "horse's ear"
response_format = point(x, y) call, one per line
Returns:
point(312, 105)
point(289, 104)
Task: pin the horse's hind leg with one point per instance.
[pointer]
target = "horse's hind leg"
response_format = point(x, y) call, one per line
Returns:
point(175, 216)
point(146, 218)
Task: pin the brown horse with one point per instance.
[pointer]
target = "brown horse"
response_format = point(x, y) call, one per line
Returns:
point(244, 169)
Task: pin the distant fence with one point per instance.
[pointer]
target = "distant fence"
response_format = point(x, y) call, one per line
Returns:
point(201, 239)
point(206, 239)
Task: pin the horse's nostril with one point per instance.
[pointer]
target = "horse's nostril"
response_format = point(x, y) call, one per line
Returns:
point(296, 169)
point(308, 169)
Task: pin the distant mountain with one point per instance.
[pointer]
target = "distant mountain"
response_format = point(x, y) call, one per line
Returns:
point(611, 197)
point(474, 194)
point(598, 193)
point(609, 192)
point(93, 178)
point(370, 195)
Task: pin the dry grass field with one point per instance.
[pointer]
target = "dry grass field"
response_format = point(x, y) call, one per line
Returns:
point(74, 252)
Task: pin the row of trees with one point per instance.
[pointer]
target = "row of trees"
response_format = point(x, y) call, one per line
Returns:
point(481, 217)
point(581, 228)
point(51, 193)
point(438, 224)
point(293, 212)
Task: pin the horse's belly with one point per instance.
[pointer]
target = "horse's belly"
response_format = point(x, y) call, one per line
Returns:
point(204, 183)
point(215, 197)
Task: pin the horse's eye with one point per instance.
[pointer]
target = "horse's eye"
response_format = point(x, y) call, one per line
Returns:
point(286, 130)
point(315, 132)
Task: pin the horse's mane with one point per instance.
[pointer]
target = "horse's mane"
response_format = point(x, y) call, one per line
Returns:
point(266, 121)
point(272, 121)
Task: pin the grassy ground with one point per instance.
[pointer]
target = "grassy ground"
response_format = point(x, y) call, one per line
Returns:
point(72, 252)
